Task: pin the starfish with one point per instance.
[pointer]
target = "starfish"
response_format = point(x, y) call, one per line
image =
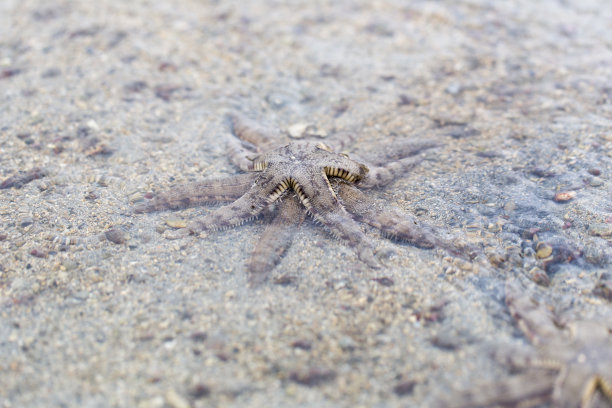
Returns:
point(572, 366)
point(302, 177)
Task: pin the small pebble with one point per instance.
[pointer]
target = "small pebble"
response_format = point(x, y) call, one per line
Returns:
point(26, 221)
point(313, 376)
point(175, 400)
point(494, 227)
point(176, 222)
point(301, 130)
point(284, 280)
point(155, 402)
point(199, 336)
point(277, 100)
point(135, 86)
point(596, 182)
point(539, 276)
point(407, 100)
point(454, 89)
point(167, 66)
point(166, 92)
point(172, 235)
point(69, 265)
point(404, 388)
point(38, 253)
point(51, 73)
point(91, 196)
point(564, 196)
point(495, 255)
point(543, 250)
point(542, 172)
point(116, 236)
point(510, 206)
point(446, 341)
point(92, 124)
point(302, 344)
point(199, 390)
point(384, 281)
point(297, 130)
point(347, 344)
point(594, 172)
point(313, 131)
point(9, 72)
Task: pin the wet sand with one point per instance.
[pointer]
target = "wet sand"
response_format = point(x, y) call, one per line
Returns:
point(103, 104)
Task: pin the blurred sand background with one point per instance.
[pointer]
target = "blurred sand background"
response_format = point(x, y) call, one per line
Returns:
point(113, 100)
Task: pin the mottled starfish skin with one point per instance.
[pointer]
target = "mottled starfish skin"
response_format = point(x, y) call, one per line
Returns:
point(392, 221)
point(303, 167)
point(276, 239)
point(572, 366)
point(200, 193)
point(282, 182)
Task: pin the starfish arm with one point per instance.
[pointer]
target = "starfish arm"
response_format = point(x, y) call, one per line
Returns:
point(263, 191)
point(532, 319)
point(398, 224)
point(575, 387)
point(587, 364)
point(239, 155)
point(383, 175)
point(605, 384)
point(392, 221)
point(327, 210)
point(520, 390)
point(591, 331)
point(261, 137)
point(195, 194)
point(603, 369)
point(275, 240)
point(392, 161)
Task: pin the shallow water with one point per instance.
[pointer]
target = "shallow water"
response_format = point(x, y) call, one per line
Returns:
point(120, 100)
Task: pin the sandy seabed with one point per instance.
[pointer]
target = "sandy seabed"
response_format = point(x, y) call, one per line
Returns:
point(104, 102)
